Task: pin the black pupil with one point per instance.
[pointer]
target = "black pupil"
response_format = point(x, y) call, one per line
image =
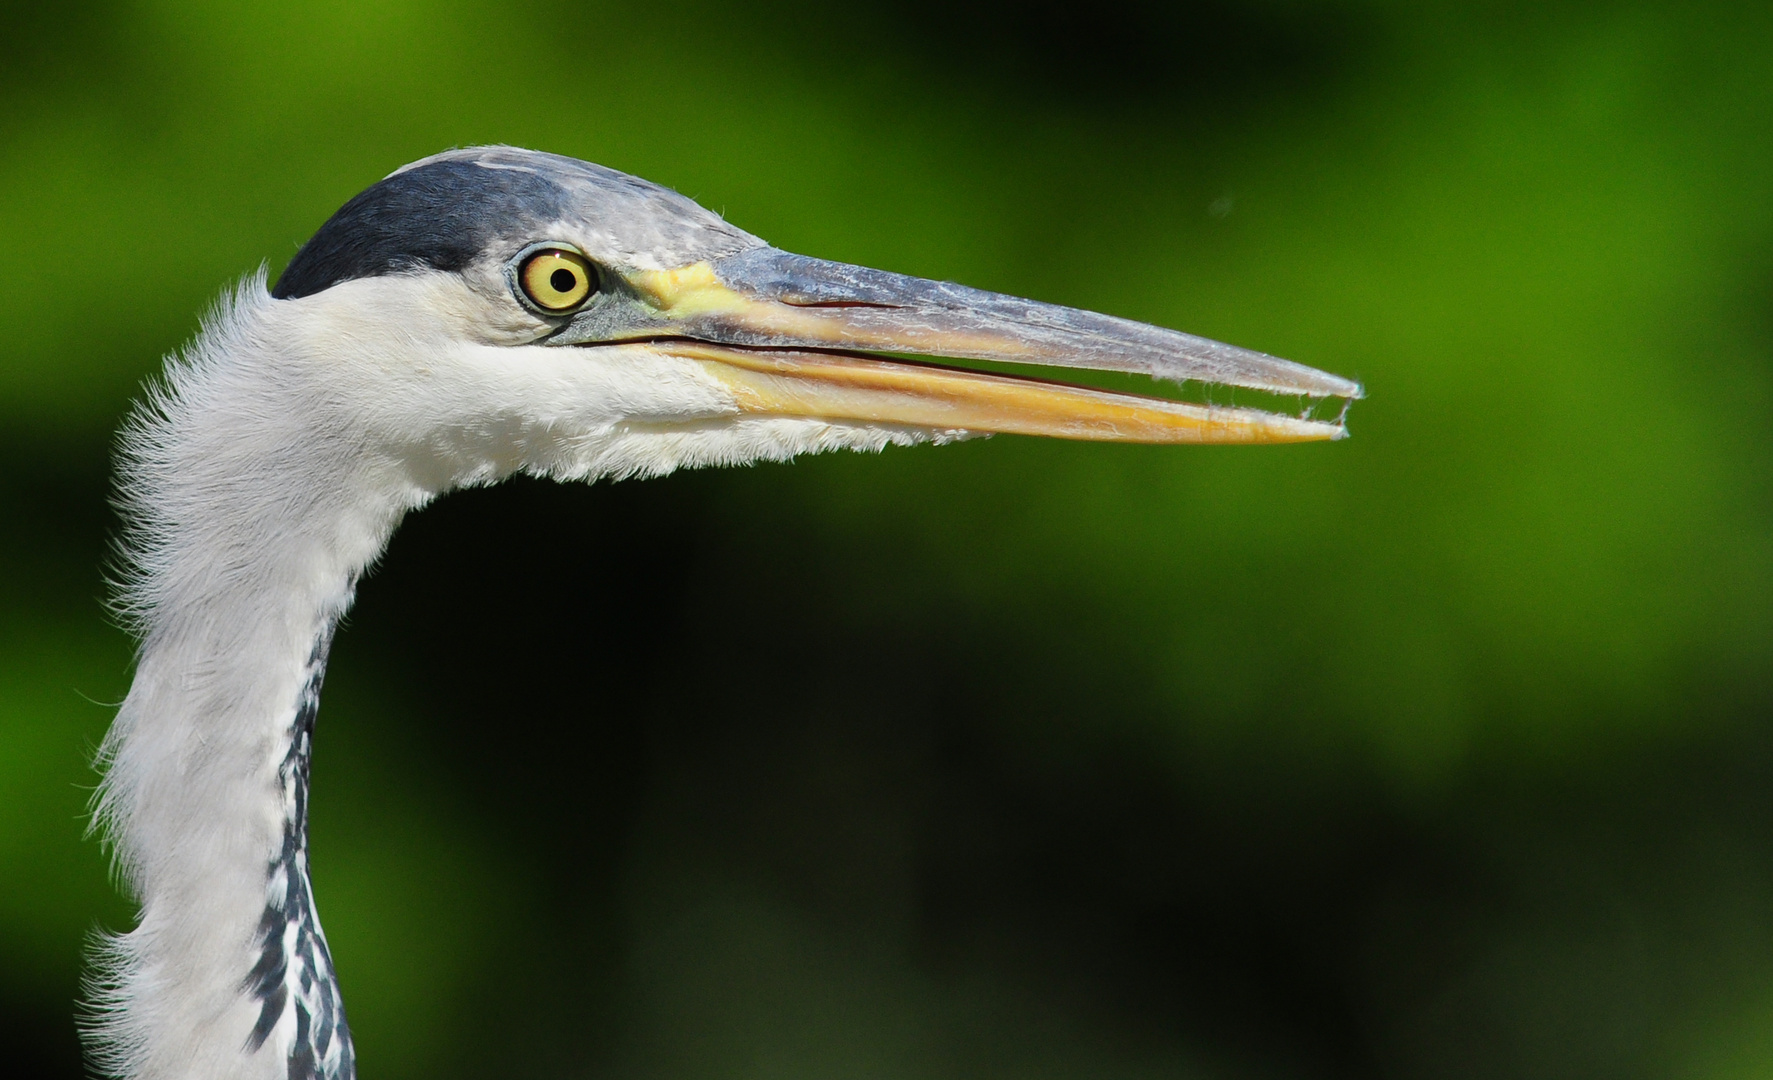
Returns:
point(563, 280)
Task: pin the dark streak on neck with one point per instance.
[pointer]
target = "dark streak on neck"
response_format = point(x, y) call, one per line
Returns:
point(321, 1048)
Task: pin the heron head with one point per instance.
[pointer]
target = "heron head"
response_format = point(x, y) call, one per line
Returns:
point(599, 323)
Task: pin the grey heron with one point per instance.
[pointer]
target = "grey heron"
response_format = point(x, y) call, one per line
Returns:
point(480, 313)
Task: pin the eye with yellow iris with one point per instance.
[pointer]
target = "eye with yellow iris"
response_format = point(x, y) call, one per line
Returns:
point(557, 280)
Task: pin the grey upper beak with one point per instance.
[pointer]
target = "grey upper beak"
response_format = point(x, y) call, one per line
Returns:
point(874, 309)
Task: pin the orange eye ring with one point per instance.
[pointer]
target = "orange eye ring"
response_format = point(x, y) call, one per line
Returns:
point(557, 280)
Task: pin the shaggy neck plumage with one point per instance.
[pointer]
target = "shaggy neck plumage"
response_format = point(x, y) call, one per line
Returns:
point(248, 523)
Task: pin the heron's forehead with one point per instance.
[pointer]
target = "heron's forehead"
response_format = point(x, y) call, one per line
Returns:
point(455, 209)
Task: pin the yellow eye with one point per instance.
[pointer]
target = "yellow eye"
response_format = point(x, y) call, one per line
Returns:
point(557, 280)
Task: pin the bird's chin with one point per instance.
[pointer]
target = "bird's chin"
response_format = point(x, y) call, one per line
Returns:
point(857, 388)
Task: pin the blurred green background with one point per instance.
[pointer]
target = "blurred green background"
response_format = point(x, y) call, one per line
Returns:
point(1443, 751)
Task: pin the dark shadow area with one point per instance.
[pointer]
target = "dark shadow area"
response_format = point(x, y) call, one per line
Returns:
point(54, 518)
point(41, 1043)
point(583, 674)
point(616, 675)
point(55, 496)
point(1127, 58)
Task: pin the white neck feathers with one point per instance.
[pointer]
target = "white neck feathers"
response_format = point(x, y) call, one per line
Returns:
point(248, 523)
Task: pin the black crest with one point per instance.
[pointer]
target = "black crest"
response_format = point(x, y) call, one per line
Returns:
point(439, 216)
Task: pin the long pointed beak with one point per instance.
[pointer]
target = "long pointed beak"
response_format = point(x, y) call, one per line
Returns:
point(755, 317)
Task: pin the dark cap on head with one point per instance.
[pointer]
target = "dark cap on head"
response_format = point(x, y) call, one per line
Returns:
point(446, 211)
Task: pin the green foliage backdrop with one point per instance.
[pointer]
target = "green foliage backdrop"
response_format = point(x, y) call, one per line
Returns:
point(1443, 751)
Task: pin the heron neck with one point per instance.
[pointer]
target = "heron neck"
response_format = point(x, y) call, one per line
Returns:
point(251, 521)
